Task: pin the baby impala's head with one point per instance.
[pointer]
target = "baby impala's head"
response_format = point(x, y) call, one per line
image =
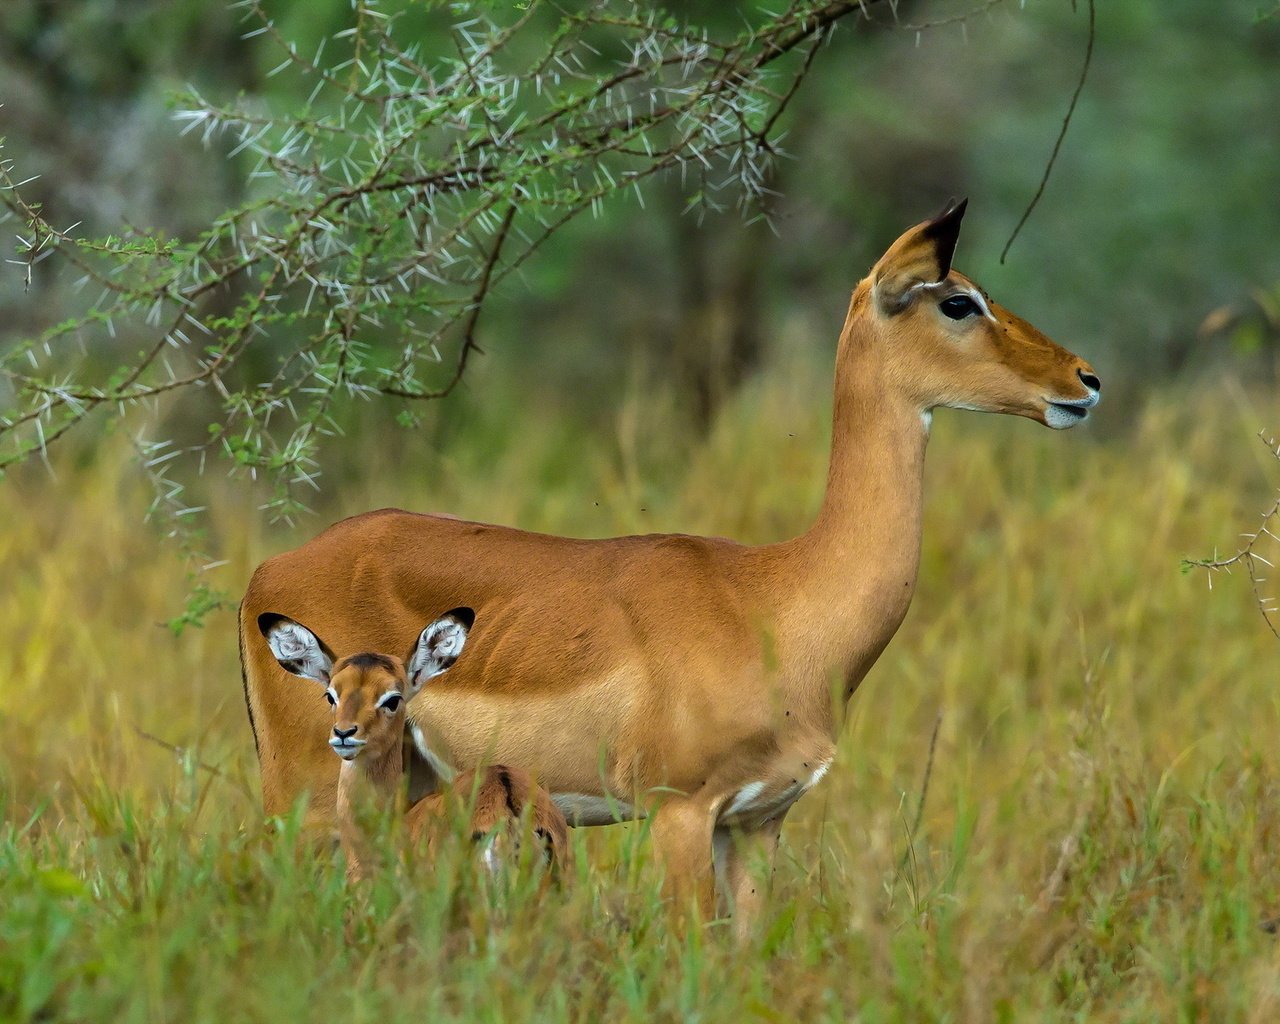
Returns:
point(367, 691)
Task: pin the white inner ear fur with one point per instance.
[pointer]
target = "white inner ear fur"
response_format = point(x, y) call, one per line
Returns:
point(299, 651)
point(438, 648)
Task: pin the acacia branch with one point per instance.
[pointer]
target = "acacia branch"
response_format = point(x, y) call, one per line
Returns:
point(1248, 555)
point(469, 331)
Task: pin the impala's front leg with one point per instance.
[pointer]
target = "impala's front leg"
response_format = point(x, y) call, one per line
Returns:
point(681, 833)
point(748, 870)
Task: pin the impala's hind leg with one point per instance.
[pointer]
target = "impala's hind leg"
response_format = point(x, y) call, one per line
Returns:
point(748, 871)
point(681, 833)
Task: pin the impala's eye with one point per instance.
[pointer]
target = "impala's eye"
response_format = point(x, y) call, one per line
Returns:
point(391, 702)
point(329, 696)
point(958, 307)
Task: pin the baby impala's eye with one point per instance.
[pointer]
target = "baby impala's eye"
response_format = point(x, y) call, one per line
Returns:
point(391, 702)
point(333, 701)
point(958, 307)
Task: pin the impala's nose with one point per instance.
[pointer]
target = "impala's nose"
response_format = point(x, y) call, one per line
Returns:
point(1090, 380)
point(344, 742)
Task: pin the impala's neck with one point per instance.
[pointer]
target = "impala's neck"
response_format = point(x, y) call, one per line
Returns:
point(854, 571)
point(366, 778)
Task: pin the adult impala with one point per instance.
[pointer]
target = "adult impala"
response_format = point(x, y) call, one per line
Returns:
point(688, 678)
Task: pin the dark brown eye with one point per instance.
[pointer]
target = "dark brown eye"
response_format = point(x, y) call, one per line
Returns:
point(958, 307)
point(333, 701)
point(391, 702)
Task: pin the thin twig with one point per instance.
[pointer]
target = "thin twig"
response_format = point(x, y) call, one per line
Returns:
point(182, 752)
point(928, 774)
point(924, 793)
point(1246, 555)
point(469, 331)
point(1062, 134)
point(1070, 843)
point(925, 26)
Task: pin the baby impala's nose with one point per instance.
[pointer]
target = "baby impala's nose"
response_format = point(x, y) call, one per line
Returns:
point(344, 734)
point(1090, 380)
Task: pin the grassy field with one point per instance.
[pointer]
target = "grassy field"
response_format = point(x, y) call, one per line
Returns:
point(1098, 840)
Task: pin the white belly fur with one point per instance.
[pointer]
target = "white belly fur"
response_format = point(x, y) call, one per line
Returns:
point(759, 800)
point(583, 809)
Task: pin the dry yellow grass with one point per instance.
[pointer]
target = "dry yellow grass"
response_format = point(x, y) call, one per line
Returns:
point(1097, 843)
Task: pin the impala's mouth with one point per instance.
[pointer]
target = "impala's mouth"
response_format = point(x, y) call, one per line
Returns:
point(347, 749)
point(1062, 413)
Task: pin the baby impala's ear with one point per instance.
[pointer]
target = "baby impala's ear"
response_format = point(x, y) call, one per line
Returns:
point(438, 646)
point(298, 650)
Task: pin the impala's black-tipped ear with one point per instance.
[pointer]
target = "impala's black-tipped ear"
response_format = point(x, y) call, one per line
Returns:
point(944, 232)
point(467, 616)
point(920, 256)
point(438, 646)
point(298, 650)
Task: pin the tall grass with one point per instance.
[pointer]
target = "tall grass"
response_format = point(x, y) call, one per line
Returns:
point(1098, 840)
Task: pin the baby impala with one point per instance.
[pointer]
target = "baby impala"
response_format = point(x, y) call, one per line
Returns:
point(368, 692)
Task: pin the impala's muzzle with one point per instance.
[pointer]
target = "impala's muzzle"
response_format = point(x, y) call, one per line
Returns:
point(345, 744)
point(1061, 413)
point(348, 750)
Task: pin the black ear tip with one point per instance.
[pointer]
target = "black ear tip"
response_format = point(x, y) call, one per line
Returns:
point(950, 216)
point(944, 231)
point(467, 616)
point(267, 621)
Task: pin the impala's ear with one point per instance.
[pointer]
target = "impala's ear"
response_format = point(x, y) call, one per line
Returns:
point(298, 650)
point(438, 646)
point(921, 256)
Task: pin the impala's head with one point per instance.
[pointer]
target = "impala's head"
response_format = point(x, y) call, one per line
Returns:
point(947, 343)
point(367, 691)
